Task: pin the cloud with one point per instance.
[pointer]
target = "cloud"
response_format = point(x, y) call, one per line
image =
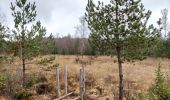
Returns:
point(156, 6)
point(61, 16)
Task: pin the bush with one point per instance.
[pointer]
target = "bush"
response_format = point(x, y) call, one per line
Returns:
point(159, 90)
point(8, 59)
point(10, 83)
point(53, 66)
point(22, 95)
point(34, 80)
point(3, 58)
point(2, 83)
point(49, 68)
point(142, 96)
point(46, 60)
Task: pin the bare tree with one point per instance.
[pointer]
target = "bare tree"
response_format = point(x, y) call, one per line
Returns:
point(164, 21)
point(82, 30)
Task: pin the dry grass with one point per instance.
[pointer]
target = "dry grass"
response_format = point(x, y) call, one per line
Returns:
point(103, 69)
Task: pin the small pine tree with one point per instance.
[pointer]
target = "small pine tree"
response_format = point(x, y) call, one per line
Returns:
point(2, 31)
point(27, 40)
point(160, 89)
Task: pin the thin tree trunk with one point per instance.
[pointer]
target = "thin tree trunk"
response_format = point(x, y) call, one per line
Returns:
point(120, 73)
point(81, 55)
point(23, 71)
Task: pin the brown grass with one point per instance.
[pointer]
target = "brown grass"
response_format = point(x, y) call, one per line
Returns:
point(103, 69)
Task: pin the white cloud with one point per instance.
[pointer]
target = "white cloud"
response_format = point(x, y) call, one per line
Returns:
point(60, 16)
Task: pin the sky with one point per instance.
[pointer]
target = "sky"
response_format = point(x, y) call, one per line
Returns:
point(61, 16)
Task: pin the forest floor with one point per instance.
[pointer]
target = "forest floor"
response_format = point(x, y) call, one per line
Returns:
point(101, 75)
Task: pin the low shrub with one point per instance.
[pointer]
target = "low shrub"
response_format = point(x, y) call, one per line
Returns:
point(35, 79)
point(3, 58)
point(11, 83)
point(8, 59)
point(160, 90)
point(46, 60)
point(22, 95)
point(2, 83)
point(51, 67)
point(82, 61)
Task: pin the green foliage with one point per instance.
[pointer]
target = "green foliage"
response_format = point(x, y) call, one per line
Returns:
point(3, 58)
point(9, 59)
point(3, 35)
point(142, 96)
point(2, 29)
point(162, 49)
point(22, 95)
point(49, 68)
point(27, 34)
point(2, 82)
point(27, 41)
point(121, 24)
point(46, 60)
point(34, 80)
point(49, 45)
point(54, 66)
point(160, 89)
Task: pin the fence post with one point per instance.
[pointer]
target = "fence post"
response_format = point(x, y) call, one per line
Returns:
point(81, 94)
point(65, 78)
point(82, 83)
point(84, 79)
point(58, 81)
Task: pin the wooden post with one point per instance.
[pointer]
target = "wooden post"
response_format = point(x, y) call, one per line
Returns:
point(81, 97)
point(65, 78)
point(58, 81)
point(84, 79)
point(81, 84)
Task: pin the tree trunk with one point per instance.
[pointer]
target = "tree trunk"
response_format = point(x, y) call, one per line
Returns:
point(118, 49)
point(82, 56)
point(23, 72)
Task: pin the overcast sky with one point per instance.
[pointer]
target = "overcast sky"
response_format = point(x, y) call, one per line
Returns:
point(61, 16)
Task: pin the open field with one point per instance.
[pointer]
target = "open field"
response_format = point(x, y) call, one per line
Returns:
point(101, 74)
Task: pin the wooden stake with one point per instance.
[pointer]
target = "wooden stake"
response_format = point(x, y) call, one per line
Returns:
point(84, 79)
point(81, 84)
point(58, 81)
point(65, 78)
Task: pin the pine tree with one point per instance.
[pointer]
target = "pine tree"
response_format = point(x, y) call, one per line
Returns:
point(120, 26)
point(2, 36)
point(26, 39)
point(160, 89)
point(3, 31)
point(49, 45)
